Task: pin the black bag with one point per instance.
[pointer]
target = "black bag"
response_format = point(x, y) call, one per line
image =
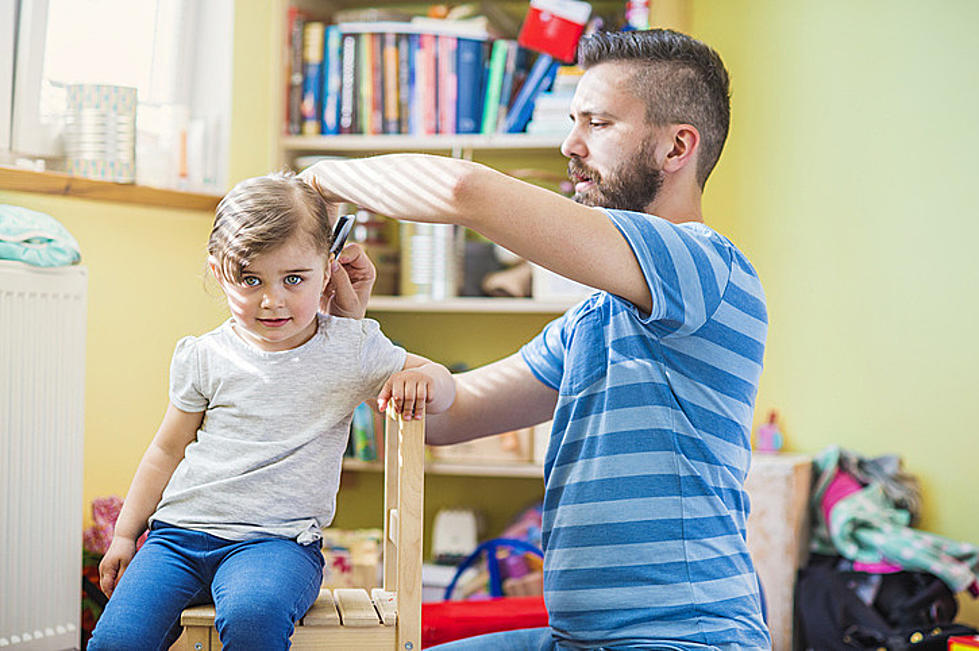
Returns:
point(842, 609)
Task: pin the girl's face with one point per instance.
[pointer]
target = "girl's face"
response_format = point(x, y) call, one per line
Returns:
point(275, 304)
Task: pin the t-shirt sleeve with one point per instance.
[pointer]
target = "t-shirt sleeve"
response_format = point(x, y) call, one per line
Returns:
point(686, 267)
point(379, 357)
point(185, 377)
point(544, 354)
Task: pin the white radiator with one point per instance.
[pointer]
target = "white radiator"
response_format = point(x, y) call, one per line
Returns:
point(42, 380)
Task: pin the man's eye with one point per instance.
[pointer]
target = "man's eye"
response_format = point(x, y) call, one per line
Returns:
point(596, 125)
point(250, 281)
point(293, 279)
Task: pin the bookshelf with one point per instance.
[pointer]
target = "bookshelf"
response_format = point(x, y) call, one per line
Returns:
point(461, 145)
point(467, 305)
point(523, 470)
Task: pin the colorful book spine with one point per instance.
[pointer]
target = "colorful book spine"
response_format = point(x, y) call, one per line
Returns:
point(391, 79)
point(469, 77)
point(447, 83)
point(377, 78)
point(331, 81)
point(295, 98)
point(365, 65)
point(494, 86)
point(348, 84)
point(312, 101)
point(427, 82)
point(540, 77)
point(506, 88)
point(404, 83)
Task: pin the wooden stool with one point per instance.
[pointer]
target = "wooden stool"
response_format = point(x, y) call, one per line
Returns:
point(387, 618)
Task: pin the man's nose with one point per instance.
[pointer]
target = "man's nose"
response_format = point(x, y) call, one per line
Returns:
point(574, 145)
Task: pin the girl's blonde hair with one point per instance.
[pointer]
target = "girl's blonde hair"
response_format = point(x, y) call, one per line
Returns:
point(261, 213)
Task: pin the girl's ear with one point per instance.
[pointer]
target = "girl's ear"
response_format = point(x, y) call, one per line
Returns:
point(215, 268)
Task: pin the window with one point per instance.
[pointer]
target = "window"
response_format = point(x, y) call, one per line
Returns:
point(176, 53)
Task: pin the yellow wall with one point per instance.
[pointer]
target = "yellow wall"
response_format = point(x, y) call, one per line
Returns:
point(850, 181)
point(145, 291)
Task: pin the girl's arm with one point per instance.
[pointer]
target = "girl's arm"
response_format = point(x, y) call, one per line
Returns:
point(420, 386)
point(178, 430)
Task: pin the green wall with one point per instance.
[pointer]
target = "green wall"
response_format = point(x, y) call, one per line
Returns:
point(850, 181)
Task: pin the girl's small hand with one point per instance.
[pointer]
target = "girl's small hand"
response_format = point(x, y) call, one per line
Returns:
point(409, 391)
point(114, 563)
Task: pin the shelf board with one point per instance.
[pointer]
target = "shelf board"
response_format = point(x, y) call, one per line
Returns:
point(524, 470)
point(61, 184)
point(404, 142)
point(467, 304)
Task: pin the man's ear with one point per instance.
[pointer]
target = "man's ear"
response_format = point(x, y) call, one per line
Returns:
point(684, 147)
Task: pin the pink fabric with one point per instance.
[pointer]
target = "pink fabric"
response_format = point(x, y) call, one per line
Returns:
point(842, 485)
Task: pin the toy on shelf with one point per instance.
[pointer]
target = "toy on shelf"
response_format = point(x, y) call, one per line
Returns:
point(768, 437)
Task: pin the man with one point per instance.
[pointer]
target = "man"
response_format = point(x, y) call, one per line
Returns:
point(650, 382)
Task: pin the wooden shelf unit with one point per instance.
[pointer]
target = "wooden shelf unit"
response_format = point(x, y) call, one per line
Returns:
point(529, 470)
point(467, 305)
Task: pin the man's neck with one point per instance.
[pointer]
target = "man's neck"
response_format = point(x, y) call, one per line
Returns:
point(677, 204)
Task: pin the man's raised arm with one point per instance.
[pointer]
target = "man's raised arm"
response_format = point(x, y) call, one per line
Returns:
point(572, 240)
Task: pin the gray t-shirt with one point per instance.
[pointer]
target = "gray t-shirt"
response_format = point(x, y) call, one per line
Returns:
point(267, 456)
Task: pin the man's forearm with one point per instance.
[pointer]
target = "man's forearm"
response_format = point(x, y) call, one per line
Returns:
point(444, 388)
point(402, 186)
point(496, 398)
point(573, 240)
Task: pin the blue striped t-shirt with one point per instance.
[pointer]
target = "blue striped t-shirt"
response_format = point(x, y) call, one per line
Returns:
point(644, 503)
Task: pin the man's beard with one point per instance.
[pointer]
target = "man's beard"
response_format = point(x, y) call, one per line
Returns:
point(632, 185)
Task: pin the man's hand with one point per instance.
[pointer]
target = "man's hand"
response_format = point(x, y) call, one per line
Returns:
point(114, 563)
point(351, 280)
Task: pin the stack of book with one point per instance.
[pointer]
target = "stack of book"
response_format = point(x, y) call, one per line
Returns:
point(420, 77)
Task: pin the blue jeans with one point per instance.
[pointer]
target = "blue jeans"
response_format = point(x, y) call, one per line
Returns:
point(260, 588)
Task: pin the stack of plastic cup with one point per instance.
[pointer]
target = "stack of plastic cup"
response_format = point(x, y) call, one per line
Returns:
point(100, 132)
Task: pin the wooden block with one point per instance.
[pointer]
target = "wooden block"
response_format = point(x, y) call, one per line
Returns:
point(323, 612)
point(356, 608)
point(198, 616)
point(386, 604)
point(393, 526)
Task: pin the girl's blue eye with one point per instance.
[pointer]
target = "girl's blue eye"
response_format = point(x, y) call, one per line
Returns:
point(293, 279)
point(250, 281)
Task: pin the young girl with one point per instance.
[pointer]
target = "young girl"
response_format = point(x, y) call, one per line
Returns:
point(243, 473)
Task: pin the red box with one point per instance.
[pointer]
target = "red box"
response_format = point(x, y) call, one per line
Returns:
point(554, 27)
point(963, 642)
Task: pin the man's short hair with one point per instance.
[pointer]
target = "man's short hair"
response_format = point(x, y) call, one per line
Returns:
point(681, 79)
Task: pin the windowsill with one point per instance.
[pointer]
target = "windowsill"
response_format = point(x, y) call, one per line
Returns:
point(57, 183)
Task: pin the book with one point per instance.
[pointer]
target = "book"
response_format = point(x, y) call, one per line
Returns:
point(312, 100)
point(446, 83)
point(494, 86)
point(377, 79)
point(426, 80)
point(391, 80)
point(538, 79)
point(365, 83)
point(513, 53)
point(295, 20)
point(331, 81)
point(348, 84)
point(405, 82)
point(469, 83)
